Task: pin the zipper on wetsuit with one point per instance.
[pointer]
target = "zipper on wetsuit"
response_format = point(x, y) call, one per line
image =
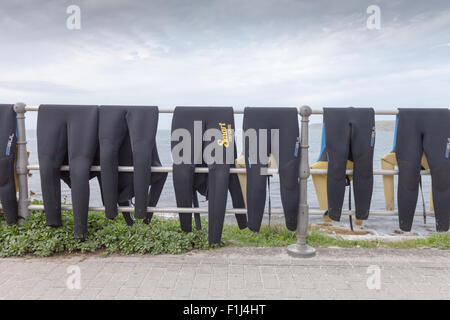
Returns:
point(8, 146)
point(297, 146)
point(372, 138)
point(447, 151)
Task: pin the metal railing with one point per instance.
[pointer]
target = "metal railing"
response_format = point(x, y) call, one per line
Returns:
point(299, 249)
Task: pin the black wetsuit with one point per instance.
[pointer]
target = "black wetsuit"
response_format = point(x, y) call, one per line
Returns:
point(67, 132)
point(350, 135)
point(218, 181)
point(127, 138)
point(418, 131)
point(286, 121)
point(8, 140)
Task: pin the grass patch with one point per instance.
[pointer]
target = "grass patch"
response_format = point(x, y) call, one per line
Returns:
point(279, 236)
point(438, 240)
point(273, 236)
point(164, 236)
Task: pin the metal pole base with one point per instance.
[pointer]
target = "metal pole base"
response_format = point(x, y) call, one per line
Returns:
point(301, 251)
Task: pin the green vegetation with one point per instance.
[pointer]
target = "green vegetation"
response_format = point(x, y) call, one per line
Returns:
point(273, 236)
point(279, 236)
point(33, 237)
point(110, 236)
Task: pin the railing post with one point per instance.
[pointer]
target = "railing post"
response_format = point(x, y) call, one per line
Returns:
point(301, 249)
point(22, 161)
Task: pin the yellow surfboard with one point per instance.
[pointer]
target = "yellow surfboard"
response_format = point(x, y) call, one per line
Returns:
point(320, 185)
point(389, 162)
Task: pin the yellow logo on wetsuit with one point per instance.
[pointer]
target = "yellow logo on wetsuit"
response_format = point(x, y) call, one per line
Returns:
point(226, 135)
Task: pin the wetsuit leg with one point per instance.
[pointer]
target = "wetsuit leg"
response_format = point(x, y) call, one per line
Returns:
point(256, 182)
point(183, 172)
point(221, 120)
point(218, 176)
point(142, 125)
point(52, 150)
point(409, 151)
point(289, 156)
point(337, 137)
point(256, 195)
point(8, 139)
point(82, 132)
point(112, 131)
point(123, 187)
point(183, 180)
point(436, 144)
point(197, 218)
point(234, 187)
point(127, 215)
point(362, 146)
point(126, 190)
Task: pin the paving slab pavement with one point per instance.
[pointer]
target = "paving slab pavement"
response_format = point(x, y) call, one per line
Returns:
point(232, 273)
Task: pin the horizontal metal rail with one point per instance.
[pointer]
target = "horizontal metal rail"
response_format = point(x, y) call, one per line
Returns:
point(380, 172)
point(156, 209)
point(241, 111)
point(377, 112)
point(160, 110)
point(377, 213)
point(316, 212)
point(35, 167)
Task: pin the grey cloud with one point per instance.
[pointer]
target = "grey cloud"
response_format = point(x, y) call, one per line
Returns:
point(233, 52)
point(43, 87)
point(185, 24)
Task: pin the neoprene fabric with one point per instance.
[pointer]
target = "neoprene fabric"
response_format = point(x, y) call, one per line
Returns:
point(215, 184)
point(286, 121)
point(127, 136)
point(67, 132)
point(349, 135)
point(419, 131)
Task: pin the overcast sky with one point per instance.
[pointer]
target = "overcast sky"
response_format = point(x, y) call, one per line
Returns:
point(226, 52)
